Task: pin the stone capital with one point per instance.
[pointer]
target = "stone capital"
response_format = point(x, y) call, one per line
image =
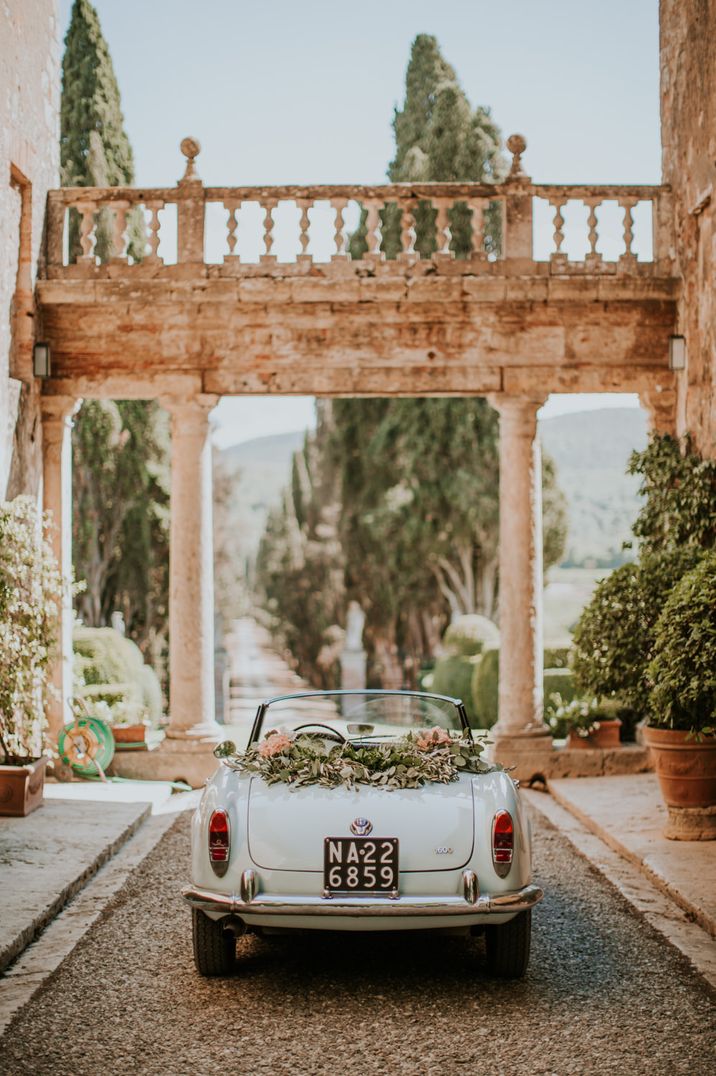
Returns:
point(200, 403)
point(57, 413)
point(517, 411)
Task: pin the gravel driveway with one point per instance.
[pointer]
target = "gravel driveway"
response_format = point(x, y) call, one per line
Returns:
point(604, 994)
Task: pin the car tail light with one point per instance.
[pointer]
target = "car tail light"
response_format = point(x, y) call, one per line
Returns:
point(503, 842)
point(219, 841)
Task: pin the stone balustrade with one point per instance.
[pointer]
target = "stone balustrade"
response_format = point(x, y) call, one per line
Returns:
point(402, 222)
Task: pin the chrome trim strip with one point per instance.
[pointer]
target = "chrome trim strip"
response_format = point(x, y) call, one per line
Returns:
point(231, 904)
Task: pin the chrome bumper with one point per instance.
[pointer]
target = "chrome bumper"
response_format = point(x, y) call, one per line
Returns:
point(518, 901)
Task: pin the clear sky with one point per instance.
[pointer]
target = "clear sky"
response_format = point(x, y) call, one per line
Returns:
point(288, 92)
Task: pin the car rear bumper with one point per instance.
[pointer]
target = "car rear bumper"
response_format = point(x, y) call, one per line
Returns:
point(503, 904)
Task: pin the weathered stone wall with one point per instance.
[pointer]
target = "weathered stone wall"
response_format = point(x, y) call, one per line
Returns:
point(688, 124)
point(29, 166)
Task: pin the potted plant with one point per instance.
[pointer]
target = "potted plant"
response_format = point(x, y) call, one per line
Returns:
point(681, 731)
point(586, 723)
point(31, 592)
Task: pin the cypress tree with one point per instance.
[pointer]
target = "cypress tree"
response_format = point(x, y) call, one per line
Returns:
point(120, 474)
point(94, 147)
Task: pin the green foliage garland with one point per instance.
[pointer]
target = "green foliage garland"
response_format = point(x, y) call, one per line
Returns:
point(401, 763)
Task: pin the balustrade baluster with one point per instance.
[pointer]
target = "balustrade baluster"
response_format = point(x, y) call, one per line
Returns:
point(232, 224)
point(443, 235)
point(407, 232)
point(304, 205)
point(477, 230)
point(269, 207)
point(154, 225)
point(88, 233)
point(372, 225)
point(339, 204)
point(593, 259)
point(119, 228)
point(558, 256)
point(628, 259)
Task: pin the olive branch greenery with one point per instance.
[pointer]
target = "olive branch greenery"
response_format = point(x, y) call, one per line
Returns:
point(400, 763)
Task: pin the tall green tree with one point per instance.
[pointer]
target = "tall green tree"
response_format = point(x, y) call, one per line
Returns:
point(417, 479)
point(94, 147)
point(121, 471)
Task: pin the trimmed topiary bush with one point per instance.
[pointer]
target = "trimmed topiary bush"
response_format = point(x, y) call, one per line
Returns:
point(452, 675)
point(614, 637)
point(470, 635)
point(111, 668)
point(682, 672)
point(484, 688)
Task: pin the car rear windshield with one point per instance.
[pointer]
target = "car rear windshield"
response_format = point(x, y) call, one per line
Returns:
point(359, 715)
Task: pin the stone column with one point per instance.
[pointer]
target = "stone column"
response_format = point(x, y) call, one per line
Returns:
point(520, 688)
point(57, 412)
point(191, 572)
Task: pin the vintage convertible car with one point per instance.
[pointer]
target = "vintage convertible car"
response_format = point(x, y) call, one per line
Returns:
point(280, 844)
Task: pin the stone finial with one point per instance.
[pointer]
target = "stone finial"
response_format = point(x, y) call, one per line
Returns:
point(516, 144)
point(191, 148)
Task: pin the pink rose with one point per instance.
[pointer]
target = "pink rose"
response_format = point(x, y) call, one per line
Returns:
point(274, 744)
point(430, 738)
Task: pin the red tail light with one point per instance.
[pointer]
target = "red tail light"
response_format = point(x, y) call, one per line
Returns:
point(503, 842)
point(219, 840)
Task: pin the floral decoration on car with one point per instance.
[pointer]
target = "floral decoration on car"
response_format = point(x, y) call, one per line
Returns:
point(427, 755)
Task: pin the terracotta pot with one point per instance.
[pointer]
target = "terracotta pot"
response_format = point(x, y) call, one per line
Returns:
point(607, 735)
point(129, 733)
point(686, 768)
point(22, 787)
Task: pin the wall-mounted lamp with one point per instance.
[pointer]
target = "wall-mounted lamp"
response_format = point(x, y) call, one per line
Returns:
point(677, 353)
point(41, 360)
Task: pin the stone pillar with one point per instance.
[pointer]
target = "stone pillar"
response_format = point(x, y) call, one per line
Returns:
point(520, 688)
point(191, 572)
point(57, 412)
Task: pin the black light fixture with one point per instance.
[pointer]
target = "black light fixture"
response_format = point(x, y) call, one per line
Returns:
point(41, 360)
point(677, 353)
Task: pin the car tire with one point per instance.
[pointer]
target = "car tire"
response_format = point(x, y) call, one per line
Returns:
point(214, 947)
point(508, 947)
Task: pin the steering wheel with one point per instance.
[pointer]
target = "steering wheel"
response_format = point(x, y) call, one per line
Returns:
point(330, 734)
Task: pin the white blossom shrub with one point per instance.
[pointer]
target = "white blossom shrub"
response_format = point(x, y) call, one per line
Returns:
point(31, 590)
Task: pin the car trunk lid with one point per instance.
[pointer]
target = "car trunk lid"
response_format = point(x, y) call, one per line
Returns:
point(433, 824)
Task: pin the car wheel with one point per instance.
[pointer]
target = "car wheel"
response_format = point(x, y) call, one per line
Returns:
point(214, 947)
point(508, 947)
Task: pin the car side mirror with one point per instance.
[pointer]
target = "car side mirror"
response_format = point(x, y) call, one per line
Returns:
point(225, 749)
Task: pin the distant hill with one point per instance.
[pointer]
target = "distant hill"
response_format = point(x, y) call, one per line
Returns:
point(590, 450)
point(259, 469)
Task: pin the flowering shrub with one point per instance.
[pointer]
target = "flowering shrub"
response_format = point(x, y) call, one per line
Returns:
point(30, 604)
point(407, 762)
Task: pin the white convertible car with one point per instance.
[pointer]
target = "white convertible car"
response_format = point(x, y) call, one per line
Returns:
point(361, 811)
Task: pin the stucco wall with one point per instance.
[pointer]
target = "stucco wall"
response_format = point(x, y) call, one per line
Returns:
point(29, 149)
point(688, 122)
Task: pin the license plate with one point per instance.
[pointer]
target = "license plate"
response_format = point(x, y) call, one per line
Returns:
point(360, 864)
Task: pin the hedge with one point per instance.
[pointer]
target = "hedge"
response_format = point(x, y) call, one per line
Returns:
point(485, 687)
point(452, 675)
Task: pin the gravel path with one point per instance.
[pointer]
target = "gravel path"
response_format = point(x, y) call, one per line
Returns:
point(604, 994)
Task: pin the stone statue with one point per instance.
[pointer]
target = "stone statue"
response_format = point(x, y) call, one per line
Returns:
point(355, 621)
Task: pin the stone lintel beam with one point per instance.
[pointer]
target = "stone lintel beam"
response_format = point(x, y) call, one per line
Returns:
point(191, 588)
point(520, 603)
